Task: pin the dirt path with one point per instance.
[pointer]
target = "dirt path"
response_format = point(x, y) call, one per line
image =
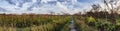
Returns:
point(72, 26)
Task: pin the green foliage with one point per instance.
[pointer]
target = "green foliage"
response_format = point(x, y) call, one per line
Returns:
point(118, 22)
point(97, 24)
point(34, 23)
point(90, 19)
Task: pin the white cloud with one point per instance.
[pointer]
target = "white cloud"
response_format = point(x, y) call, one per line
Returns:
point(66, 7)
point(45, 1)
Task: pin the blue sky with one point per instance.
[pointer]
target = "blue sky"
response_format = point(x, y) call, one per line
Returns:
point(57, 6)
point(84, 0)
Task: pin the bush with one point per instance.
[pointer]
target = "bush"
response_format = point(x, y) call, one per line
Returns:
point(90, 20)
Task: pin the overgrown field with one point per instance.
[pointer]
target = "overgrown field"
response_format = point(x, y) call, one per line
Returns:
point(34, 23)
point(90, 23)
point(57, 23)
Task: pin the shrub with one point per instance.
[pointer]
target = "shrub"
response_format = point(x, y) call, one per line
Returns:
point(90, 19)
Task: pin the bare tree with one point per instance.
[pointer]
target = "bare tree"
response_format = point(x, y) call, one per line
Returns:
point(96, 7)
point(110, 4)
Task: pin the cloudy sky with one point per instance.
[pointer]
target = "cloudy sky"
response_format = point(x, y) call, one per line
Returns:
point(45, 6)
